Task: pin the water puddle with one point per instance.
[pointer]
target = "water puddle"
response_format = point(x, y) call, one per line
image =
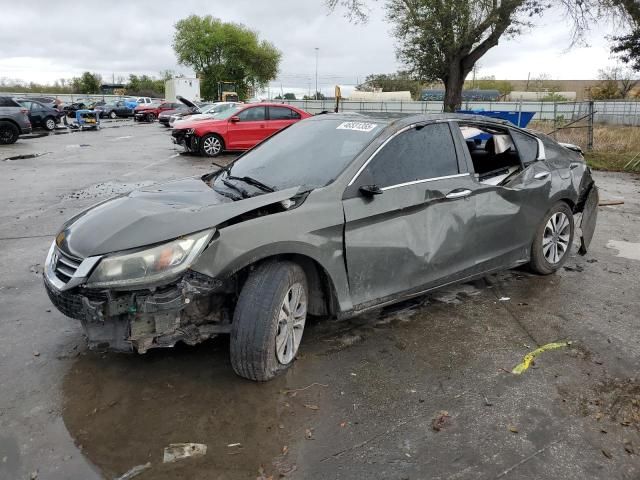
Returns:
point(627, 250)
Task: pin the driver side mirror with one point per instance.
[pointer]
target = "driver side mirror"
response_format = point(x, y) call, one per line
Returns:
point(234, 119)
point(370, 190)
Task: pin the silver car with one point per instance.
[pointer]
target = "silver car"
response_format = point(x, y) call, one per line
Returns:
point(333, 216)
point(14, 121)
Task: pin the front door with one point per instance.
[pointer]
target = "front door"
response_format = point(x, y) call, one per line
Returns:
point(410, 227)
point(249, 129)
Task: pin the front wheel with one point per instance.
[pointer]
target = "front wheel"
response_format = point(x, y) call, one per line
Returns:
point(553, 240)
point(269, 320)
point(113, 115)
point(211, 145)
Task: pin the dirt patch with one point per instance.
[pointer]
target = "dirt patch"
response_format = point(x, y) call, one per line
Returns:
point(616, 400)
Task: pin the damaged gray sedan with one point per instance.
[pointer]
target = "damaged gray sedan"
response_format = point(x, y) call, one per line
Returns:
point(333, 216)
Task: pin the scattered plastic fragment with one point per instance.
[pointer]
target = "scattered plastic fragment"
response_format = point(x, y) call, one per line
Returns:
point(505, 299)
point(231, 445)
point(179, 451)
point(529, 357)
point(134, 472)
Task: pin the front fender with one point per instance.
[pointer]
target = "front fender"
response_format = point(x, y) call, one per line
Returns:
point(313, 231)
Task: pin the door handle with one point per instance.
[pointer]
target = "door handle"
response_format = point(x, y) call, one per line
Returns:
point(573, 165)
point(458, 193)
point(541, 175)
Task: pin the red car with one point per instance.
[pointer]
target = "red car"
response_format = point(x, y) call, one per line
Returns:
point(150, 111)
point(238, 128)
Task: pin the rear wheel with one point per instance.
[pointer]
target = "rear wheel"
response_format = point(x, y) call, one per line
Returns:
point(9, 133)
point(211, 145)
point(49, 123)
point(269, 320)
point(553, 240)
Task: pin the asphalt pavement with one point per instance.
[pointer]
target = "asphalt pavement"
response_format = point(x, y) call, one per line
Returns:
point(420, 390)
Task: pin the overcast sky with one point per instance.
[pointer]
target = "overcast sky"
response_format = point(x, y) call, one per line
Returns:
point(44, 40)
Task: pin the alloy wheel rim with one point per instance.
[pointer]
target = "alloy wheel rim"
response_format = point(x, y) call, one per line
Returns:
point(5, 134)
point(555, 240)
point(51, 124)
point(212, 146)
point(291, 320)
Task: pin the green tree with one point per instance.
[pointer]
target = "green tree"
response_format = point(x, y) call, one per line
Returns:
point(220, 51)
point(628, 46)
point(392, 82)
point(146, 86)
point(289, 96)
point(443, 39)
point(87, 83)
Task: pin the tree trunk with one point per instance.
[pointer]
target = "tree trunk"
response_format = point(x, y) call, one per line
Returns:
point(453, 84)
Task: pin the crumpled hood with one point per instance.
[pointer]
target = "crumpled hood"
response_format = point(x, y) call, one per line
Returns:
point(193, 123)
point(155, 214)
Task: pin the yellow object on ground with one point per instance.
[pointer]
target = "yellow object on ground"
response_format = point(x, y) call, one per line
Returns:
point(529, 357)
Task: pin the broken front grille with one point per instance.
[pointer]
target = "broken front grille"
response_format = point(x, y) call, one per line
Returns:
point(65, 265)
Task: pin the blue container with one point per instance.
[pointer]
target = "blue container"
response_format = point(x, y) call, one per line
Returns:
point(521, 119)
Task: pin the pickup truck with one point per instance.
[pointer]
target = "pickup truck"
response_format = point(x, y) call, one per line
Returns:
point(133, 102)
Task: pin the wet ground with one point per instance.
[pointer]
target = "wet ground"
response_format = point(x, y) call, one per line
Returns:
point(419, 390)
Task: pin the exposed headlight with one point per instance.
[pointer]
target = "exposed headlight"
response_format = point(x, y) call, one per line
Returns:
point(150, 265)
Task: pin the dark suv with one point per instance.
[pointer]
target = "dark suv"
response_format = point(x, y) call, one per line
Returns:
point(13, 121)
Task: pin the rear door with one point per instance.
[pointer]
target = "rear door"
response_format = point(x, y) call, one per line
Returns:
point(250, 128)
point(416, 232)
point(507, 214)
point(279, 118)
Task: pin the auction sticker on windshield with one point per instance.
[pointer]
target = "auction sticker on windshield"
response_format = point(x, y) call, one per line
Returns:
point(358, 126)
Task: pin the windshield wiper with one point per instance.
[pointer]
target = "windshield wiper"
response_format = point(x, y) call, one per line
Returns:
point(241, 191)
point(254, 182)
point(226, 194)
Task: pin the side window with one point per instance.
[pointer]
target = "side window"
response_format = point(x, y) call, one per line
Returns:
point(282, 113)
point(418, 154)
point(527, 147)
point(254, 114)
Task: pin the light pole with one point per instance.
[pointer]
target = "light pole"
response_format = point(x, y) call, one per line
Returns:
point(316, 94)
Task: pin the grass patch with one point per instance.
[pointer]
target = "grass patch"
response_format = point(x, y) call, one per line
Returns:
point(614, 162)
point(613, 146)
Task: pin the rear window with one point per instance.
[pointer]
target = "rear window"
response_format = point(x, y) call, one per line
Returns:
point(8, 102)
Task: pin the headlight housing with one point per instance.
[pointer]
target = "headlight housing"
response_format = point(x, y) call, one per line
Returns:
point(149, 265)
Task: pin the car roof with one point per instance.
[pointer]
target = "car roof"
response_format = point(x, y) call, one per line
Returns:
point(403, 119)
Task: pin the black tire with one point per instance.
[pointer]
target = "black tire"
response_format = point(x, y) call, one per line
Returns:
point(113, 115)
point(542, 262)
point(151, 117)
point(9, 133)
point(204, 142)
point(49, 123)
point(256, 319)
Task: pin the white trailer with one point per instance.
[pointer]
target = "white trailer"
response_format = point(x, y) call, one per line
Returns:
point(188, 88)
